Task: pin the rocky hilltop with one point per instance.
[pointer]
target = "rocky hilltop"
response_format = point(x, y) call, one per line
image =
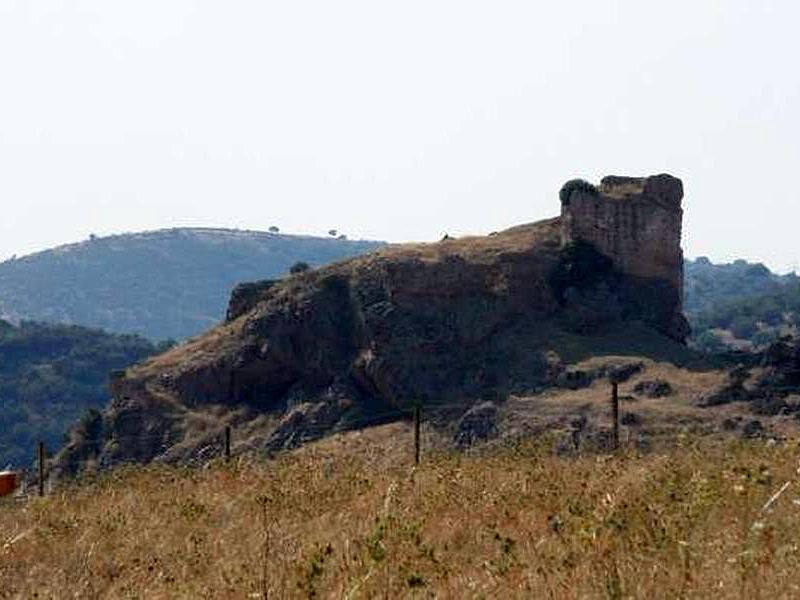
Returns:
point(444, 323)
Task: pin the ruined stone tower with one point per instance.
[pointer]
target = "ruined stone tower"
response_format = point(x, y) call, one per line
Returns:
point(636, 222)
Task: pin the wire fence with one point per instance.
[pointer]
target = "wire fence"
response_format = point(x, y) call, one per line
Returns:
point(132, 430)
point(145, 440)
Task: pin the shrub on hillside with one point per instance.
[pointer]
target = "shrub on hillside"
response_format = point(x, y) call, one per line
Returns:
point(576, 185)
point(709, 342)
point(299, 267)
point(744, 327)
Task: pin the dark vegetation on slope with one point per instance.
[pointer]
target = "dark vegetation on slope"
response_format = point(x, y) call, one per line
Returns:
point(164, 284)
point(50, 375)
point(741, 303)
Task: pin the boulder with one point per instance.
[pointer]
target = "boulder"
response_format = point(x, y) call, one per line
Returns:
point(753, 429)
point(630, 419)
point(245, 296)
point(653, 388)
point(575, 379)
point(731, 423)
point(732, 392)
point(478, 424)
point(306, 423)
point(622, 373)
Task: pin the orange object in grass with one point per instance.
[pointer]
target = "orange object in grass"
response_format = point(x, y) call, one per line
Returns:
point(8, 482)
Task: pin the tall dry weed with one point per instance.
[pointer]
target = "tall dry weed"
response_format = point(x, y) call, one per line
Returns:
point(358, 521)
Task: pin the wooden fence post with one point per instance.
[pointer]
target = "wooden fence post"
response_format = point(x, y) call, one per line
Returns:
point(417, 421)
point(227, 442)
point(41, 468)
point(615, 412)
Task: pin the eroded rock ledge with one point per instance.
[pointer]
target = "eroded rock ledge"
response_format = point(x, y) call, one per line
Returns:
point(447, 322)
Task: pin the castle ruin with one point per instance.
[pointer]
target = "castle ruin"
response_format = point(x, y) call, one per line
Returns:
point(636, 222)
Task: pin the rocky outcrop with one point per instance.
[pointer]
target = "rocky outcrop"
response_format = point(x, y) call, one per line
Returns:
point(449, 322)
point(733, 391)
point(653, 388)
point(575, 378)
point(774, 387)
point(245, 296)
point(635, 222)
point(478, 424)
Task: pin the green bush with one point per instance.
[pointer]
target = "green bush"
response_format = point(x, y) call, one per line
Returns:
point(744, 327)
point(708, 341)
point(576, 185)
point(765, 337)
point(299, 267)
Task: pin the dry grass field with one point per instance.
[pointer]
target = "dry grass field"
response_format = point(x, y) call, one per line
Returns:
point(349, 517)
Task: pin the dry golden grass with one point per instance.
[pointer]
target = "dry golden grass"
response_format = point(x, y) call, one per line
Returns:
point(479, 249)
point(349, 518)
point(622, 191)
point(679, 408)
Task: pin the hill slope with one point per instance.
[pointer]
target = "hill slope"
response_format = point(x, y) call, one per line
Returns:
point(49, 376)
point(742, 304)
point(163, 284)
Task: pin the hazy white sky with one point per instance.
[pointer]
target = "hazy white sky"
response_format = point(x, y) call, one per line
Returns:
point(394, 120)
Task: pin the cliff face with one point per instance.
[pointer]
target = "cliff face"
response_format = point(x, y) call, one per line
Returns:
point(636, 222)
point(438, 323)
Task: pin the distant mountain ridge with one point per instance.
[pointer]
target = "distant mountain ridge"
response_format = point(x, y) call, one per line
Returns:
point(169, 283)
